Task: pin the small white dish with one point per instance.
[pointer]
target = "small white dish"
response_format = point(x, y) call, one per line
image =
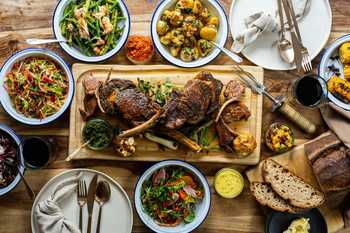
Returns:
point(315, 30)
point(213, 6)
point(117, 212)
point(326, 61)
point(5, 99)
point(74, 52)
point(202, 208)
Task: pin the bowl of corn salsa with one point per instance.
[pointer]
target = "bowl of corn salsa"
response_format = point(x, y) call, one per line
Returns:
point(279, 138)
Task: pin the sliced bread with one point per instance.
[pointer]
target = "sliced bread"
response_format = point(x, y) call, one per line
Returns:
point(291, 187)
point(264, 194)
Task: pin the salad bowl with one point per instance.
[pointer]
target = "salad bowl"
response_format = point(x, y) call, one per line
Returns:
point(201, 208)
point(215, 8)
point(5, 99)
point(75, 52)
point(5, 130)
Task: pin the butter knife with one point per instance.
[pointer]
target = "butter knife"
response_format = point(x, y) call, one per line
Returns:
point(91, 201)
point(294, 18)
point(295, 41)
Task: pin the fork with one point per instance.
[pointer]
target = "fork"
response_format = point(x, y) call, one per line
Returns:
point(306, 60)
point(82, 199)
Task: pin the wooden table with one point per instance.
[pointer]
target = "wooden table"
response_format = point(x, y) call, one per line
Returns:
point(21, 19)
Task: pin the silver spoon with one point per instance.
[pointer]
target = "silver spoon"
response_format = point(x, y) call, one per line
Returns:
point(103, 194)
point(285, 47)
point(34, 41)
point(28, 188)
point(232, 55)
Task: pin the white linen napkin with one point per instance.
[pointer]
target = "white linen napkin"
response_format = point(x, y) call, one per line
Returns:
point(262, 22)
point(48, 214)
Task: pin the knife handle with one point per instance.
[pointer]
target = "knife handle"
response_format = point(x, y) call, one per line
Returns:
point(296, 117)
point(89, 224)
point(81, 219)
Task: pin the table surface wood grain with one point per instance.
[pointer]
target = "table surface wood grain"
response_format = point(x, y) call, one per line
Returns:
point(22, 19)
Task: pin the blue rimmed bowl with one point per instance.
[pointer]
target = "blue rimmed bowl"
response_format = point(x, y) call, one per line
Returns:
point(16, 139)
point(5, 99)
point(202, 208)
point(214, 7)
point(75, 52)
point(329, 59)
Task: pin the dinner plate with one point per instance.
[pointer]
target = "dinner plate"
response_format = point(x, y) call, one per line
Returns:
point(117, 214)
point(315, 29)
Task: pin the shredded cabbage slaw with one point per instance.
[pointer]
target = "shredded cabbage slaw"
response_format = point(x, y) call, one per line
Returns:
point(37, 87)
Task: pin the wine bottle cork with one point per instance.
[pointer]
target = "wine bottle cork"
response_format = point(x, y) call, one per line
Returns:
point(296, 117)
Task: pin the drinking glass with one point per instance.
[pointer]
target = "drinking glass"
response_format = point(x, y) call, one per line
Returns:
point(309, 91)
point(38, 152)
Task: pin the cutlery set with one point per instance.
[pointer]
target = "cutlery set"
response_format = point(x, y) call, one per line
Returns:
point(300, 53)
point(97, 191)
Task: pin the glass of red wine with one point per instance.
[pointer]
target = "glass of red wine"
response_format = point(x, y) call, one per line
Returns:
point(38, 152)
point(310, 91)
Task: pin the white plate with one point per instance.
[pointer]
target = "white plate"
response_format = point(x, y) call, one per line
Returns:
point(326, 74)
point(315, 29)
point(117, 216)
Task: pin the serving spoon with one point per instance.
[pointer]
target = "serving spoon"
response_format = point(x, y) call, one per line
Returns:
point(285, 47)
point(103, 194)
point(28, 188)
point(232, 55)
point(34, 41)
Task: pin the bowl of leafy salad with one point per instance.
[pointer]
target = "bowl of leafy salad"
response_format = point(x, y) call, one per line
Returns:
point(91, 30)
point(172, 196)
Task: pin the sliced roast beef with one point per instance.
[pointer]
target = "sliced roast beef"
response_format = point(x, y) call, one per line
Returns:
point(225, 137)
point(235, 112)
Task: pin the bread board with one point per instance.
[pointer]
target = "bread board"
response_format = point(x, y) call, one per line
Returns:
point(147, 150)
point(297, 162)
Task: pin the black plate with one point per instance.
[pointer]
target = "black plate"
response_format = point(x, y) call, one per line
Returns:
point(277, 222)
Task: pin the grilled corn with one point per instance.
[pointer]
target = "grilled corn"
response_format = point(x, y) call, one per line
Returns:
point(344, 53)
point(339, 87)
point(347, 72)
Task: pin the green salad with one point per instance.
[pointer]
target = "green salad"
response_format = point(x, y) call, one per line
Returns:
point(92, 26)
point(170, 196)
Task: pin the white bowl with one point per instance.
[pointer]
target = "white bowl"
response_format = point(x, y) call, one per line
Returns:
point(17, 140)
point(214, 7)
point(5, 99)
point(202, 208)
point(74, 52)
point(326, 74)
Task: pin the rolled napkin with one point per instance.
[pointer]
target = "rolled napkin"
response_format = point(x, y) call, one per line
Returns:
point(48, 214)
point(338, 120)
point(262, 22)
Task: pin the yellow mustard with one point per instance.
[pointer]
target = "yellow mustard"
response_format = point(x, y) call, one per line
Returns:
point(228, 183)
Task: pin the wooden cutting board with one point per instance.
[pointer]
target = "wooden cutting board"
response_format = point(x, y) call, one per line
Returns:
point(147, 150)
point(297, 162)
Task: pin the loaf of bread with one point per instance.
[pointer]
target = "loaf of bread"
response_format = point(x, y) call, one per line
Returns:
point(264, 194)
point(291, 187)
point(330, 161)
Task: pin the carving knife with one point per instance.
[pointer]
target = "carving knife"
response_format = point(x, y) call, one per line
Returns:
point(279, 103)
point(91, 201)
